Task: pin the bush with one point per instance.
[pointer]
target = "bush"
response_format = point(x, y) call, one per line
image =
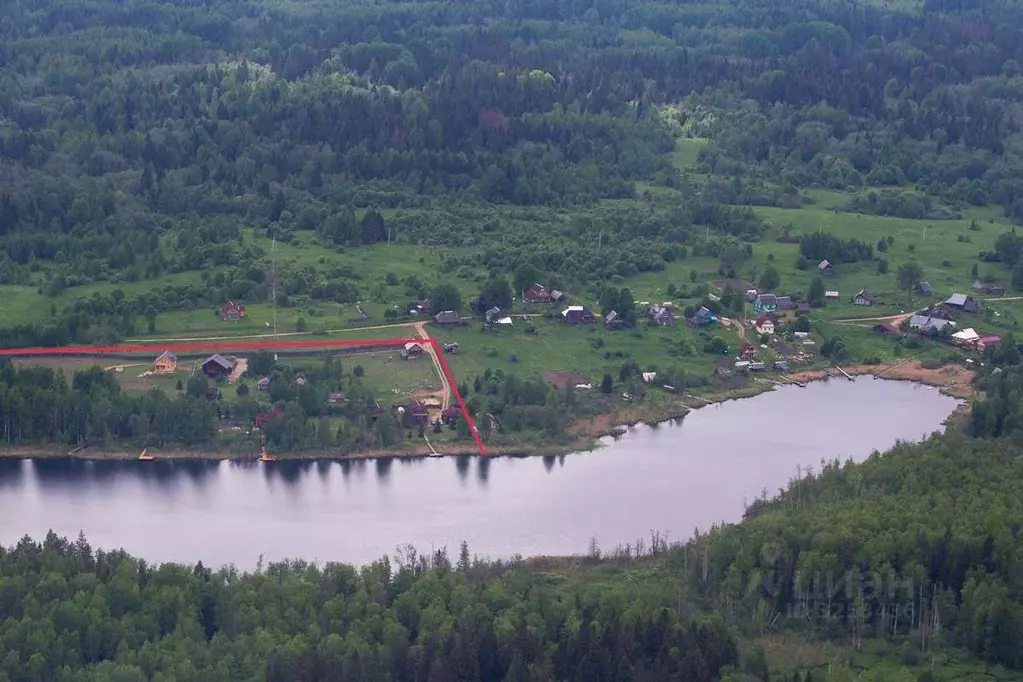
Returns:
point(931, 363)
point(358, 371)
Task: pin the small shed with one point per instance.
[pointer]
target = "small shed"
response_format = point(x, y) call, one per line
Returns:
point(263, 384)
point(785, 303)
point(411, 350)
point(577, 314)
point(447, 317)
point(232, 312)
point(825, 268)
point(923, 289)
point(831, 295)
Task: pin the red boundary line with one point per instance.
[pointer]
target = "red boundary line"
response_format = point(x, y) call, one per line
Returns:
point(257, 345)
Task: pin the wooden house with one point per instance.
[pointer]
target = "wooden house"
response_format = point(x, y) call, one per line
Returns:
point(703, 318)
point(411, 350)
point(785, 303)
point(923, 289)
point(414, 414)
point(988, 288)
point(831, 295)
point(217, 367)
point(803, 308)
point(263, 384)
point(451, 348)
point(963, 302)
point(611, 320)
point(662, 315)
point(766, 303)
point(166, 363)
point(232, 312)
point(748, 350)
point(448, 317)
point(577, 314)
point(765, 324)
point(536, 294)
point(825, 268)
point(863, 297)
point(492, 314)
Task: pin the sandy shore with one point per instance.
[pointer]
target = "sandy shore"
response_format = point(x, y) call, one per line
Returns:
point(953, 380)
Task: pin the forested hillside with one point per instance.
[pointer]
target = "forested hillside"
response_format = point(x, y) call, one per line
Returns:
point(141, 140)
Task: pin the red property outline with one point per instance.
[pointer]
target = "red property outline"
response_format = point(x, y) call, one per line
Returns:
point(258, 345)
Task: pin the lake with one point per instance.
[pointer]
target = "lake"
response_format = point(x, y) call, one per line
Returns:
point(671, 478)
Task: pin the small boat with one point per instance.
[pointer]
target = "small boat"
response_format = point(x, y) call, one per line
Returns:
point(146, 456)
point(263, 457)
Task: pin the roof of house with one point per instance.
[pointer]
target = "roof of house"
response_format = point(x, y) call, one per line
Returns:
point(232, 304)
point(803, 305)
point(493, 311)
point(572, 309)
point(824, 264)
point(557, 295)
point(864, 294)
point(990, 338)
point(830, 294)
point(336, 397)
point(450, 412)
point(957, 299)
point(168, 355)
point(220, 360)
point(703, 313)
point(447, 316)
point(937, 323)
point(611, 316)
point(765, 318)
point(768, 299)
point(503, 320)
point(264, 380)
point(416, 406)
point(785, 302)
point(968, 334)
point(924, 287)
point(412, 345)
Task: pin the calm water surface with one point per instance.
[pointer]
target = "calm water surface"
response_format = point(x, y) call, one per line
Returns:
point(670, 478)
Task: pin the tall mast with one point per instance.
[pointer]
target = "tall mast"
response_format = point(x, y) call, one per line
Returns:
point(273, 287)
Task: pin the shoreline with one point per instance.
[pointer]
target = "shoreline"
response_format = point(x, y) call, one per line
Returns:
point(952, 380)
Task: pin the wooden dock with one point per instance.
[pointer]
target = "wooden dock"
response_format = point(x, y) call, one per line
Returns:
point(844, 373)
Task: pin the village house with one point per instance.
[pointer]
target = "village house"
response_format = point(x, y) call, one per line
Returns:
point(536, 294)
point(988, 288)
point(414, 414)
point(987, 341)
point(765, 325)
point(966, 337)
point(723, 368)
point(863, 297)
point(411, 350)
point(766, 303)
point(217, 367)
point(923, 289)
point(825, 268)
point(611, 319)
point(577, 314)
point(747, 350)
point(557, 296)
point(785, 303)
point(166, 363)
point(263, 384)
point(781, 365)
point(963, 302)
point(492, 314)
point(232, 312)
point(448, 317)
point(803, 308)
point(751, 295)
point(702, 318)
point(450, 415)
point(831, 295)
point(451, 348)
point(662, 315)
point(757, 366)
point(926, 324)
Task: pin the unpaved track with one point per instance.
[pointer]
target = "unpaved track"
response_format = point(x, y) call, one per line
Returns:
point(445, 393)
point(347, 330)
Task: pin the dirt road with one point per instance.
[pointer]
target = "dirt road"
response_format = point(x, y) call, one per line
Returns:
point(895, 320)
point(445, 392)
point(270, 335)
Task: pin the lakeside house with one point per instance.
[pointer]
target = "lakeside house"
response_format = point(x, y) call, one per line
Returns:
point(766, 303)
point(825, 268)
point(450, 415)
point(166, 363)
point(963, 302)
point(577, 314)
point(232, 312)
point(415, 413)
point(217, 367)
point(863, 297)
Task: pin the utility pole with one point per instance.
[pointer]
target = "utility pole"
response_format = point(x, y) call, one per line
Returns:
point(273, 288)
